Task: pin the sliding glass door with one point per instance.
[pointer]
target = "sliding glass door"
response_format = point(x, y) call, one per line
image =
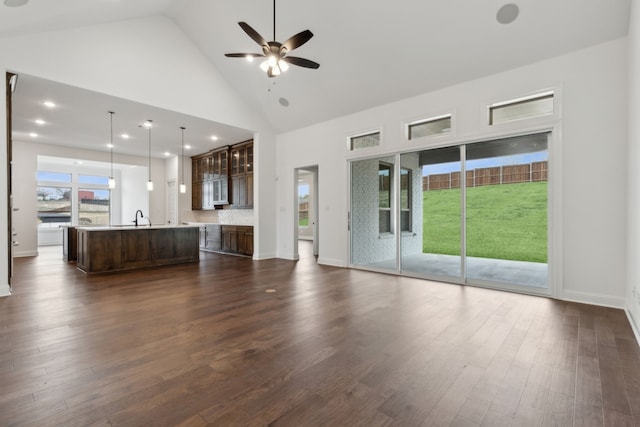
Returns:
point(506, 211)
point(415, 214)
point(431, 243)
point(373, 217)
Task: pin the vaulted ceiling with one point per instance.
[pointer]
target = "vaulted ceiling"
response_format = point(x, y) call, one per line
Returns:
point(371, 52)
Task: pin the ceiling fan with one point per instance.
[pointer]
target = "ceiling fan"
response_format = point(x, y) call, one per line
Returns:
point(276, 54)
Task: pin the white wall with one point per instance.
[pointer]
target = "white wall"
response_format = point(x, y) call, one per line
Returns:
point(145, 60)
point(633, 232)
point(591, 135)
point(135, 196)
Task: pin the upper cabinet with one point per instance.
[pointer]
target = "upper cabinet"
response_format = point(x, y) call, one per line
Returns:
point(242, 175)
point(223, 176)
point(210, 179)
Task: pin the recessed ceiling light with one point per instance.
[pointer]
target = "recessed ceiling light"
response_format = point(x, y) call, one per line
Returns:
point(214, 138)
point(110, 145)
point(148, 124)
point(187, 147)
point(124, 136)
point(33, 135)
point(508, 13)
point(166, 153)
point(49, 104)
point(39, 122)
point(15, 3)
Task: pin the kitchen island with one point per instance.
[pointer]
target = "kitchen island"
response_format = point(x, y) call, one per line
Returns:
point(116, 248)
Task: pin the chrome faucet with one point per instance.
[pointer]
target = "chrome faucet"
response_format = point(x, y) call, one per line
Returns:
point(136, 219)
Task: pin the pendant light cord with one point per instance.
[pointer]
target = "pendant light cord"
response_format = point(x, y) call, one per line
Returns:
point(182, 128)
point(274, 20)
point(149, 149)
point(111, 141)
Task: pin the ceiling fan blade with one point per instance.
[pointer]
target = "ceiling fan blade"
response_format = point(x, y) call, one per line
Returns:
point(297, 40)
point(253, 34)
point(301, 62)
point(244, 55)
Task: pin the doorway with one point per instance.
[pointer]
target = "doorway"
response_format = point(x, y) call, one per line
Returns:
point(10, 86)
point(306, 221)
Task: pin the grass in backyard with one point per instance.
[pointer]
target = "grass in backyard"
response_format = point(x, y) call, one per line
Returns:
point(506, 221)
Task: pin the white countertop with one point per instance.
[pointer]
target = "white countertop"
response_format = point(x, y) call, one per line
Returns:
point(217, 223)
point(133, 227)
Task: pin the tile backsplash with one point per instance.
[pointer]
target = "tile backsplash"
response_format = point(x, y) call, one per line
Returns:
point(222, 216)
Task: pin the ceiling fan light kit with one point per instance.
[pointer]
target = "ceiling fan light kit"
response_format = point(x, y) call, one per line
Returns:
point(276, 60)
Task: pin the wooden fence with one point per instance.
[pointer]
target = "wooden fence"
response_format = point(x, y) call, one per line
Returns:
point(528, 172)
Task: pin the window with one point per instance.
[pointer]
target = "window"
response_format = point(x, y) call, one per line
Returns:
point(432, 126)
point(93, 206)
point(385, 172)
point(405, 199)
point(364, 141)
point(54, 199)
point(44, 176)
point(54, 206)
point(521, 108)
point(303, 205)
point(93, 179)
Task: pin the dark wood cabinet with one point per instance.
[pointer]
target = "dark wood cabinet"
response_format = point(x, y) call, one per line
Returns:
point(245, 240)
point(223, 176)
point(213, 240)
point(69, 243)
point(229, 238)
point(242, 175)
point(103, 249)
point(237, 239)
point(210, 179)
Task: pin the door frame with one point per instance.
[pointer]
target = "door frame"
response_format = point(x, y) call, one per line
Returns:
point(10, 85)
point(314, 196)
point(555, 283)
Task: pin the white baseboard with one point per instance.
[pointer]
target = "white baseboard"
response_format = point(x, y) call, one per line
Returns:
point(23, 254)
point(634, 325)
point(594, 299)
point(265, 255)
point(332, 262)
point(289, 257)
point(5, 291)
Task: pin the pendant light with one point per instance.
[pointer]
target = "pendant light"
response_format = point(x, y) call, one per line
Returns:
point(148, 125)
point(183, 188)
point(112, 181)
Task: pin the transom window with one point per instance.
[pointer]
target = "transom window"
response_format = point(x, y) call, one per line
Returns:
point(433, 126)
point(364, 141)
point(521, 108)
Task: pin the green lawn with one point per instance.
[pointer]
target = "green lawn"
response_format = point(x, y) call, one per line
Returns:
point(503, 222)
point(304, 222)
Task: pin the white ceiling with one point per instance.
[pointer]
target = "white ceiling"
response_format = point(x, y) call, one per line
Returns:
point(81, 119)
point(371, 52)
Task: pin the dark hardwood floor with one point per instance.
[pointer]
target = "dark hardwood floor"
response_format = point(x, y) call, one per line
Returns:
point(206, 344)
